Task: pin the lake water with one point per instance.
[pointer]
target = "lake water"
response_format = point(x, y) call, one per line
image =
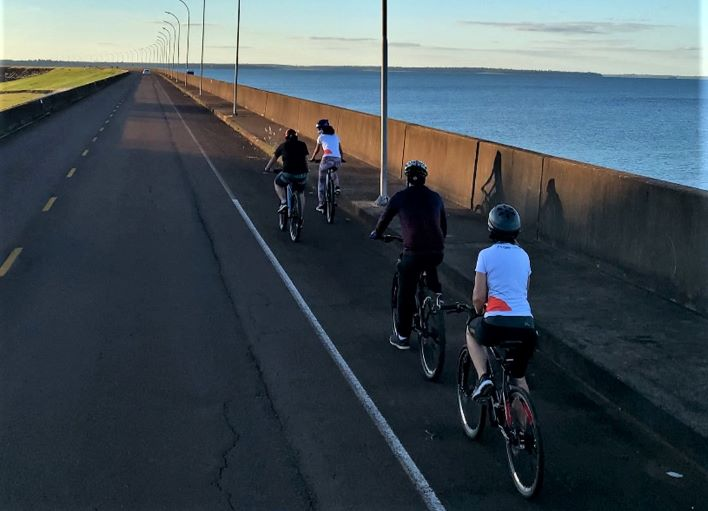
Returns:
point(647, 126)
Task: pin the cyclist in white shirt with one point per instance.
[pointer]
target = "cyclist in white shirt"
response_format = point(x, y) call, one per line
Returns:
point(502, 277)
point(332, 157)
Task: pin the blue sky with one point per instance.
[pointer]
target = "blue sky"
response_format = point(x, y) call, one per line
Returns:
point(620, 36)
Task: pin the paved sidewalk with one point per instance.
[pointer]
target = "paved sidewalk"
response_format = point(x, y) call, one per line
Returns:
point(645, 355)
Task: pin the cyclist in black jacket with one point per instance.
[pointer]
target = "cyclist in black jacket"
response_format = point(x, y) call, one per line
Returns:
point(294, 154)
point(424, 227)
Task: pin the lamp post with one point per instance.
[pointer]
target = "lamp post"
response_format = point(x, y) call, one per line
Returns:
point(179, 33)
point(238, 35)
point(169, 45)
point(186, 60)
point(383, 181)
point(174, 42)
point(163, 43)
point(201, 65)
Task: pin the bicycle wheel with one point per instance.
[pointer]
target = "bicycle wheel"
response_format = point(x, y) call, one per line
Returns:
point(431, 340)
point(295, 218)
point(472, 413)
point(394, 302)
point(329, 200)
point(524, 448)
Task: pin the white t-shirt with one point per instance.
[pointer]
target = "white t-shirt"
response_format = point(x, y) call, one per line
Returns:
point(508, 270)
point(330, 145)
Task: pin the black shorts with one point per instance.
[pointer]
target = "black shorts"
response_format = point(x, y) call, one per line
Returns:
point(297, 180)
point(494, 330)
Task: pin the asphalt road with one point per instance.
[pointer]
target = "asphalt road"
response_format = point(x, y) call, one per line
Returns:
point(151, 356)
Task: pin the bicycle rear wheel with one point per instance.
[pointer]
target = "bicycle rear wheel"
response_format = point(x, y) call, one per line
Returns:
point(295, 222)
point(431, 341)
point(472, 413)
point(524, 448)
point(394, 302)
point(283, 220)
point(329, 200)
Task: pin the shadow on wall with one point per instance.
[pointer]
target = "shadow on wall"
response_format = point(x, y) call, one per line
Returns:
point(492, 189)
point(551, 217)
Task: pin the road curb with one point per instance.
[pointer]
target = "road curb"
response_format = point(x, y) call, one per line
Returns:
point(590, 374)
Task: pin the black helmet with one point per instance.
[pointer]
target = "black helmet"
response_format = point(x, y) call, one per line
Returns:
point(322, 123)
point(416, 171)
point(504, 223)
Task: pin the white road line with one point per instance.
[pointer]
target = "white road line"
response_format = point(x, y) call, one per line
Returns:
point(416, 476)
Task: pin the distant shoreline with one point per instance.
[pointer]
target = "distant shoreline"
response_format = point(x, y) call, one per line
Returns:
point(479, 70)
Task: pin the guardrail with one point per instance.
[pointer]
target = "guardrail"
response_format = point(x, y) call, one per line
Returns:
point(16, 118)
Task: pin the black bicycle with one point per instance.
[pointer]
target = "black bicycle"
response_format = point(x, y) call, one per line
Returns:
point(510, 409)
point(290, 217)
point(428, 322)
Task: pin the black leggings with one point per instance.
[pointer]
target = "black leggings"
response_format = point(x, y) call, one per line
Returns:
point(411, 265)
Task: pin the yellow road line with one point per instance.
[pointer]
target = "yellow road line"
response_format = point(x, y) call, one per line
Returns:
point(71, 172)
point(9, 261)
point(85, 152)
point(49, 204)
point(94, 139)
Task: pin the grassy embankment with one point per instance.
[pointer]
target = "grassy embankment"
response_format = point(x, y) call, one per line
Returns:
point(15, 92)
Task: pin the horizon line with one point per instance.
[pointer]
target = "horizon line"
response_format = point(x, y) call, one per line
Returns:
point(371, 66)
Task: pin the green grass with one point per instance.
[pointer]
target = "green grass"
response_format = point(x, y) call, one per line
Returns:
point(9, 100)
point(57, 79)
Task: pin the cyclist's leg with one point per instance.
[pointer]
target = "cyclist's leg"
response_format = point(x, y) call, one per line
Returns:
point(521, 357)
point(280, 184)
point(431, 270)
point(407, 282)
point(478, 353)
point(321, 182)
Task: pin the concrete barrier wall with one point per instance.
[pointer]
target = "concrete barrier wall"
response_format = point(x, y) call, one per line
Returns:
point(653, 230)
point(450, 159)
point(15, 118)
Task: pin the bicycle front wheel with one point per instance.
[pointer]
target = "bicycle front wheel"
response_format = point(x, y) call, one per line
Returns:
point(432, 341)
point(472, 413)
point(524, 448)
point(329, 200)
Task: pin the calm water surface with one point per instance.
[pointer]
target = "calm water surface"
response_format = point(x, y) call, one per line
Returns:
point(651, 127)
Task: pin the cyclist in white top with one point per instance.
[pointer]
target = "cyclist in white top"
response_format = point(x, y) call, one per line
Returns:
point(332, 157)
point(501, 282)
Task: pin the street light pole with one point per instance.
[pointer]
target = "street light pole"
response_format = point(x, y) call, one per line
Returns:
point(383, 184)
point(238, 35)
point(169, 45)
point(201, 65)
point(163, 42)
point(174, 42)
point(186, 62)
point(179, 33)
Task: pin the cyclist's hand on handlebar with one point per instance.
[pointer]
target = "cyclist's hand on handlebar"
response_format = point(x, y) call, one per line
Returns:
point(374, 235)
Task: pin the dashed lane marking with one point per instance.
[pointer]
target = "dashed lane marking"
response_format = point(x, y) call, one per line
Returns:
point(49, 204)
point(85, 152)
point(94, 139)
point(10, 261)
point(101, 128)
point(71, 172)
point(107, 121)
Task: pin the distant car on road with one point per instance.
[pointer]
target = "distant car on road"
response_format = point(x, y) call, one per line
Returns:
point(146, 71)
